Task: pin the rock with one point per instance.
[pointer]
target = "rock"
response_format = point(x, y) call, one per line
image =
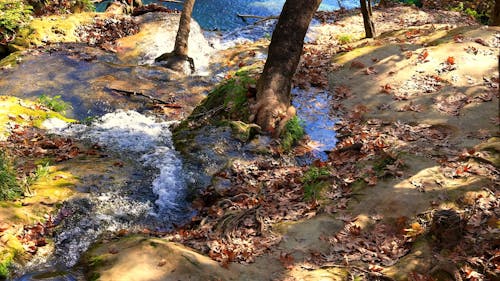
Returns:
point(243, 131)
point(147, 45)
point(142, 258)
point(447, 229)
point(489, 151)
point(220, 185)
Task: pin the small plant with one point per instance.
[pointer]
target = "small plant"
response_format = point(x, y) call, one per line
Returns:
point(293, 132)
point(89, 120)
point(314, 182)
point(45, 7)
point(40, 172)
point(5, 264)
point(417, 3)
point(479, 12)
point(344, 39)
point(54, 103)
point(13, 15)
point(9, 186)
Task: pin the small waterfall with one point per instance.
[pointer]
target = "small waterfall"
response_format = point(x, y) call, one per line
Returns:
point(144, 141)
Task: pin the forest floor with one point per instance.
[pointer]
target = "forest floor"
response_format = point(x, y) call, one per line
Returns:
point(411, 192)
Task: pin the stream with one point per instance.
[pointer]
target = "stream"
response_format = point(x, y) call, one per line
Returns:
point(149, 191)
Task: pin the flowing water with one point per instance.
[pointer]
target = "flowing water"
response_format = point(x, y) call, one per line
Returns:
point(223, 14)
point(150, 190)
point(146, 144)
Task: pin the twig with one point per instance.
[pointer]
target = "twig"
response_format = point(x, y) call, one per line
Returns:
point(266, 19)
point(172, 1)
point(129, 93)
point(250, 16)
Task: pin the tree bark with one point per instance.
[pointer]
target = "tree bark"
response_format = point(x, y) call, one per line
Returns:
point(273, 107)
point(181, 40)
point(366, 11)
point(495, 16)
point(178, 58)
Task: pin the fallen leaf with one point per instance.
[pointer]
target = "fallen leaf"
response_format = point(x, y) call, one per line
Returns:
point(482, 42)
point(286, 260)
point(450, 60)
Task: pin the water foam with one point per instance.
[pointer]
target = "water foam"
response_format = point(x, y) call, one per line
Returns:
point(148, 139)
point(146, 142)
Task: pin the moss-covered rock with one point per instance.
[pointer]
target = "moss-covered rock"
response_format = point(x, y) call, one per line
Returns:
point(15, 111)
point(52, 29)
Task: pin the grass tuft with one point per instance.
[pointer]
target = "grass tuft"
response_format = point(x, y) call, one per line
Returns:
point(54, 103)
point(9, 186)
point(293, 132)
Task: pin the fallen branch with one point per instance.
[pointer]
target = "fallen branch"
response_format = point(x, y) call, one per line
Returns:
point(155, 100)
point(172, 1)
point(261, 18)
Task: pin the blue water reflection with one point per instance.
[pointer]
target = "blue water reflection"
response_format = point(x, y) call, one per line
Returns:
point(222, 14)
point(314, 109)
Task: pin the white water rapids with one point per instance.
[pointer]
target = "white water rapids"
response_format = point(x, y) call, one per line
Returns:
point(139, 138)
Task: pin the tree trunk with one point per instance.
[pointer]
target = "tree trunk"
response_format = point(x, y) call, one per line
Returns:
point(181, 40)
point(178, 59)
point(495, 16)
point(366, 10)
point(273, 108)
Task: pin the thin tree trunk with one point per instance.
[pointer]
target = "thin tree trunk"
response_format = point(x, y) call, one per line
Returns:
point(366, 10)
point(495, 16)
point(178, 58)
point(181, 40)
point(273, 88)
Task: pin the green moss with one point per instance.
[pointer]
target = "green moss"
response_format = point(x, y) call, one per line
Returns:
point(9, 187)
point(10, 60)
point(292, 133)
point(13, 15)
point(15, 110)
point(52, 29)
point(97, 261)
point(314, 182)
point(228, 100)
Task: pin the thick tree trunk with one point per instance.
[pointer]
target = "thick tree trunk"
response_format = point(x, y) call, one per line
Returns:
point(366, 10)
point(495, 16)
point(273, 109)
point(178, 58)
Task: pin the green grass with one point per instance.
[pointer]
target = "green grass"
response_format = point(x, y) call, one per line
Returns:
point(9, 186)
point(54, 103)
point(40, 172)
point(293, 132)
point(344, 39)
point(4, 266)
